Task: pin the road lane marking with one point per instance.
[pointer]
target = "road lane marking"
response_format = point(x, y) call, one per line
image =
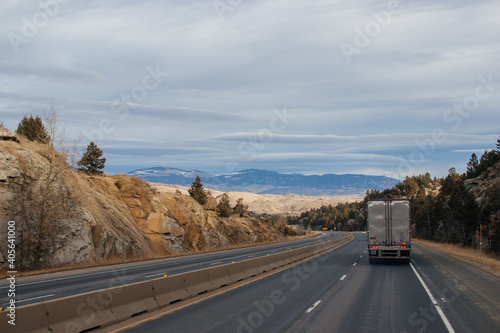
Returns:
point(355, 264)
point(34, 298)
point(148, 276)
point(190, 302)
point(433, 300)
point(343, 277)
point(313, 307)
point(216, 263)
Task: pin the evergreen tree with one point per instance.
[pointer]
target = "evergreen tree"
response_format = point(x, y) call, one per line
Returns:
point(33, 129)
point(91, 161)
point(224, 207)
point(472, 166)
point(240, 208)
point(197, 192)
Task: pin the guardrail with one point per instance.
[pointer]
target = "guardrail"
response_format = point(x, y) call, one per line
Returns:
point(106, 307)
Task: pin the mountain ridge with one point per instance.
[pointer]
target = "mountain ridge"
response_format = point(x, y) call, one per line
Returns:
point(262, 181)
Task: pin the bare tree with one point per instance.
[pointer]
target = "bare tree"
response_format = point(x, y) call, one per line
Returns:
point(67, 148)
point(45, 202)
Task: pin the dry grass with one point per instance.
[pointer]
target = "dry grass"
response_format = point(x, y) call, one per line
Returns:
point(118, 260)
point(490, 261)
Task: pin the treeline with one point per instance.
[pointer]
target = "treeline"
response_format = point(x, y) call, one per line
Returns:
point(444, 210)
point(343, 216)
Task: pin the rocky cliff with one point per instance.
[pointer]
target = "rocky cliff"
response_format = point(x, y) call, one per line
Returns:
point(485, 187)
point(63, 217)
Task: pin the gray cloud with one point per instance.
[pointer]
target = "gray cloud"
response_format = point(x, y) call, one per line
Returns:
point(228, 75)
point(51, 72)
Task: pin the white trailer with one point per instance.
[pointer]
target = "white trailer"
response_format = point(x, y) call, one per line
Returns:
point(389, 238)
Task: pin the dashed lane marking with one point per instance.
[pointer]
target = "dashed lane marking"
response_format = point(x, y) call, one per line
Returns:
point(313, 307)
point(434, 302)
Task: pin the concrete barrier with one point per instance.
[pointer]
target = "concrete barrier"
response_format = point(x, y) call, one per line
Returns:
point(95, 309)
point(301, 253)
point(197, 282)
point(254, 267)
point(280, 259)
point(219, 276)
point(81, 312)
point(169, 290)
point(30, 318)
point(236, 272)
point(132, 300)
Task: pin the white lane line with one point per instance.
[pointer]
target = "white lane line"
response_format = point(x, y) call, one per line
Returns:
point(32, 299)
point(216, 263)
point(162, 274)
point(433, 300)
point(355, 264)
point(313, 307)
point(343, 277)
point(251, 256)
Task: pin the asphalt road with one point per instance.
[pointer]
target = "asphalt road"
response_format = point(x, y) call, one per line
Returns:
point(341, 292)
point(38, 288)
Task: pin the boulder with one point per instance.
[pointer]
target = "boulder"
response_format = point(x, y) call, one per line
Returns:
point(7, 135)
point(211, 203)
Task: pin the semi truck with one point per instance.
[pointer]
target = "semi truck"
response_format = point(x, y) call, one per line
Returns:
point(388, 231)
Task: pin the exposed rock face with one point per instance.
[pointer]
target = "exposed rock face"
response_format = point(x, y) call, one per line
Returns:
point(483, 185)
point(86, 219)
point(7, 135)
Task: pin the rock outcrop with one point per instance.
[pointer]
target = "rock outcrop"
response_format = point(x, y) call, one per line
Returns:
point(64, 217)
point(483, 186)
point(6, 135)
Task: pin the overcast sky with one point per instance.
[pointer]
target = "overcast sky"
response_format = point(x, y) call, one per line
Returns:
point(371, 87)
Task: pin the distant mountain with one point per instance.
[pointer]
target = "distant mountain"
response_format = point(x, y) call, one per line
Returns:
point(269, 182)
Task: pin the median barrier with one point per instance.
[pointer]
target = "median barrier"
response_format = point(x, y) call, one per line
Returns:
point(29, 318)
point(168, 290)
point(301, 253)
point(197, 282)
point(272, 262)
point(100, 308)
point(81, 312)
point(132, 300)
point(236, 272)
point(281, 259)
point(219, 276)
point(319, 249)
point(254, 267)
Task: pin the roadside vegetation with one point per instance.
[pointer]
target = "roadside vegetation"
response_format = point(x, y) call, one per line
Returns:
point(458, 209)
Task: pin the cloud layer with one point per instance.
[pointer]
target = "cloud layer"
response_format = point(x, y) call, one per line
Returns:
point(376, 87)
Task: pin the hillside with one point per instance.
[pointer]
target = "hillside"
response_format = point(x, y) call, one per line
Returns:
point(459, 209)
point(269, 182)
point(64, 217)
point(287, 205)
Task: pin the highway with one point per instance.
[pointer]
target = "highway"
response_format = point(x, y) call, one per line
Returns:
point(43, 287)
point(341, 292)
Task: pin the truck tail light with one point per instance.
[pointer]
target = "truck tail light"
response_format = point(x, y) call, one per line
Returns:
point(373, 246)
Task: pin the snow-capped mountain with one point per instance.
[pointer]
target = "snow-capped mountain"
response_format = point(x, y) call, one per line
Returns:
point(269, 182)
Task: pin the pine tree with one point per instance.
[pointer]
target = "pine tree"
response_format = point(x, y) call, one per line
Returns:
point(472, 166)
point(197, 192)
point(240, 208)
point(224, 207)
point(33, 129)
point(91, 162)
